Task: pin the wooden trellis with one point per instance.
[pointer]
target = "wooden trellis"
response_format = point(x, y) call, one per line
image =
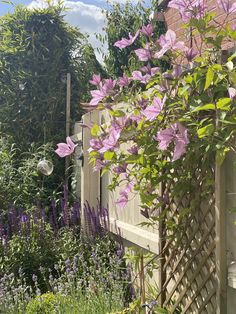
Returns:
point(188, 263)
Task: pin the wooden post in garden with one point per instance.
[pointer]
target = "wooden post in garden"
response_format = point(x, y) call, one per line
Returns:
point(221, 251)
point(68, 97)
point(90, 179)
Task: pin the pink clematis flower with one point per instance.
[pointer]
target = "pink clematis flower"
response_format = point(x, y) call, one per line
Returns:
point(144, 54)
point(65, 149)
point(123, 81)
point(124, 42)
point(169, 42)
point(151, 112)
point(96, 80)
point(120, 169)
point(149, 70)
point(147, 30)
point(228, 6)
point(124, 195)
point(95, 144)
point(100, 164)
point(165, 137)
point(181, 141)
point(176, 133)
point(189, 8)
point(115, 130)
point(190, 54)
point(138, 76)
point(178, 70)
point(105, 90)
point(232, 92)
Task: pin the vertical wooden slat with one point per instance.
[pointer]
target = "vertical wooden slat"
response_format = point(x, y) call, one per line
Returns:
point(221, 259)
point(68, 97)
point(90, 179)
point(77, 137)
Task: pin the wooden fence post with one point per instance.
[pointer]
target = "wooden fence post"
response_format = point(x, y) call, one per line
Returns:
point(221, 248)
point(90, 179)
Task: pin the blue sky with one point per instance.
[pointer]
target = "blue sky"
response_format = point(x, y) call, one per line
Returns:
point(85, 14)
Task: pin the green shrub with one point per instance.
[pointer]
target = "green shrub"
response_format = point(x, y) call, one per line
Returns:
point(20, 183)
point(29, 251)
point(50, 303)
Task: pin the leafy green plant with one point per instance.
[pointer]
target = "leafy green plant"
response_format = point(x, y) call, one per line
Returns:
point(21, 185)
point(50, 303)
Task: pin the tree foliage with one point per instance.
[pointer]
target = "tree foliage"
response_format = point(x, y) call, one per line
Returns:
point(37, 49)
point(122, 20)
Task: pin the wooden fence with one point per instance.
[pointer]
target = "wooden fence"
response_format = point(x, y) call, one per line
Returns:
point(193, 258)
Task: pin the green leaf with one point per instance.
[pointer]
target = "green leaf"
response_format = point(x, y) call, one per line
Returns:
point(205, 107)
point(220, 155)
point(104, 170)
point(117, 113)
point(223, 103)
point(209, 77)
point(232, 56)
point(108, 155)
point(95, 130)
point(205, 131)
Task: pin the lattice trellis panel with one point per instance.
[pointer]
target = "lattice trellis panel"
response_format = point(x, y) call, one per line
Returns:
point(188, 260)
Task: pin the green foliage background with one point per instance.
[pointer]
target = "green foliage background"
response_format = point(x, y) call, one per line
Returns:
point(37, 49)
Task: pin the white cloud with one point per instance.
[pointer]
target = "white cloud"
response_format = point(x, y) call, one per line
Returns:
point(89, 18)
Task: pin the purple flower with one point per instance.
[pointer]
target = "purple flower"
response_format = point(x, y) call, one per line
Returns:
point(151, 112)
point(98, 96)
point(232, 92)
point(147, 30)
point(177, 71)
point(176, 133)
point(167, 42)
point(96, 80)
point(123, 81)
point(149, 70)
point(165, 137)
point(189, 8)
point(181, 142)
point(124, 195)
point(124, 42)
point(120, 169)
point(65, 149)
point(95, 144)
point(228, 6)
point(133, 150)
point(105, 90)
point(24, 218)
point(110, 142)
point(100, 164)
point(190, 54)
point(138, 76)
point(144, 54)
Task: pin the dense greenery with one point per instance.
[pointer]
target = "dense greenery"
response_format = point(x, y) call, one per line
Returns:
point(21, 185)
point(37, 49)
point(129, 18)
